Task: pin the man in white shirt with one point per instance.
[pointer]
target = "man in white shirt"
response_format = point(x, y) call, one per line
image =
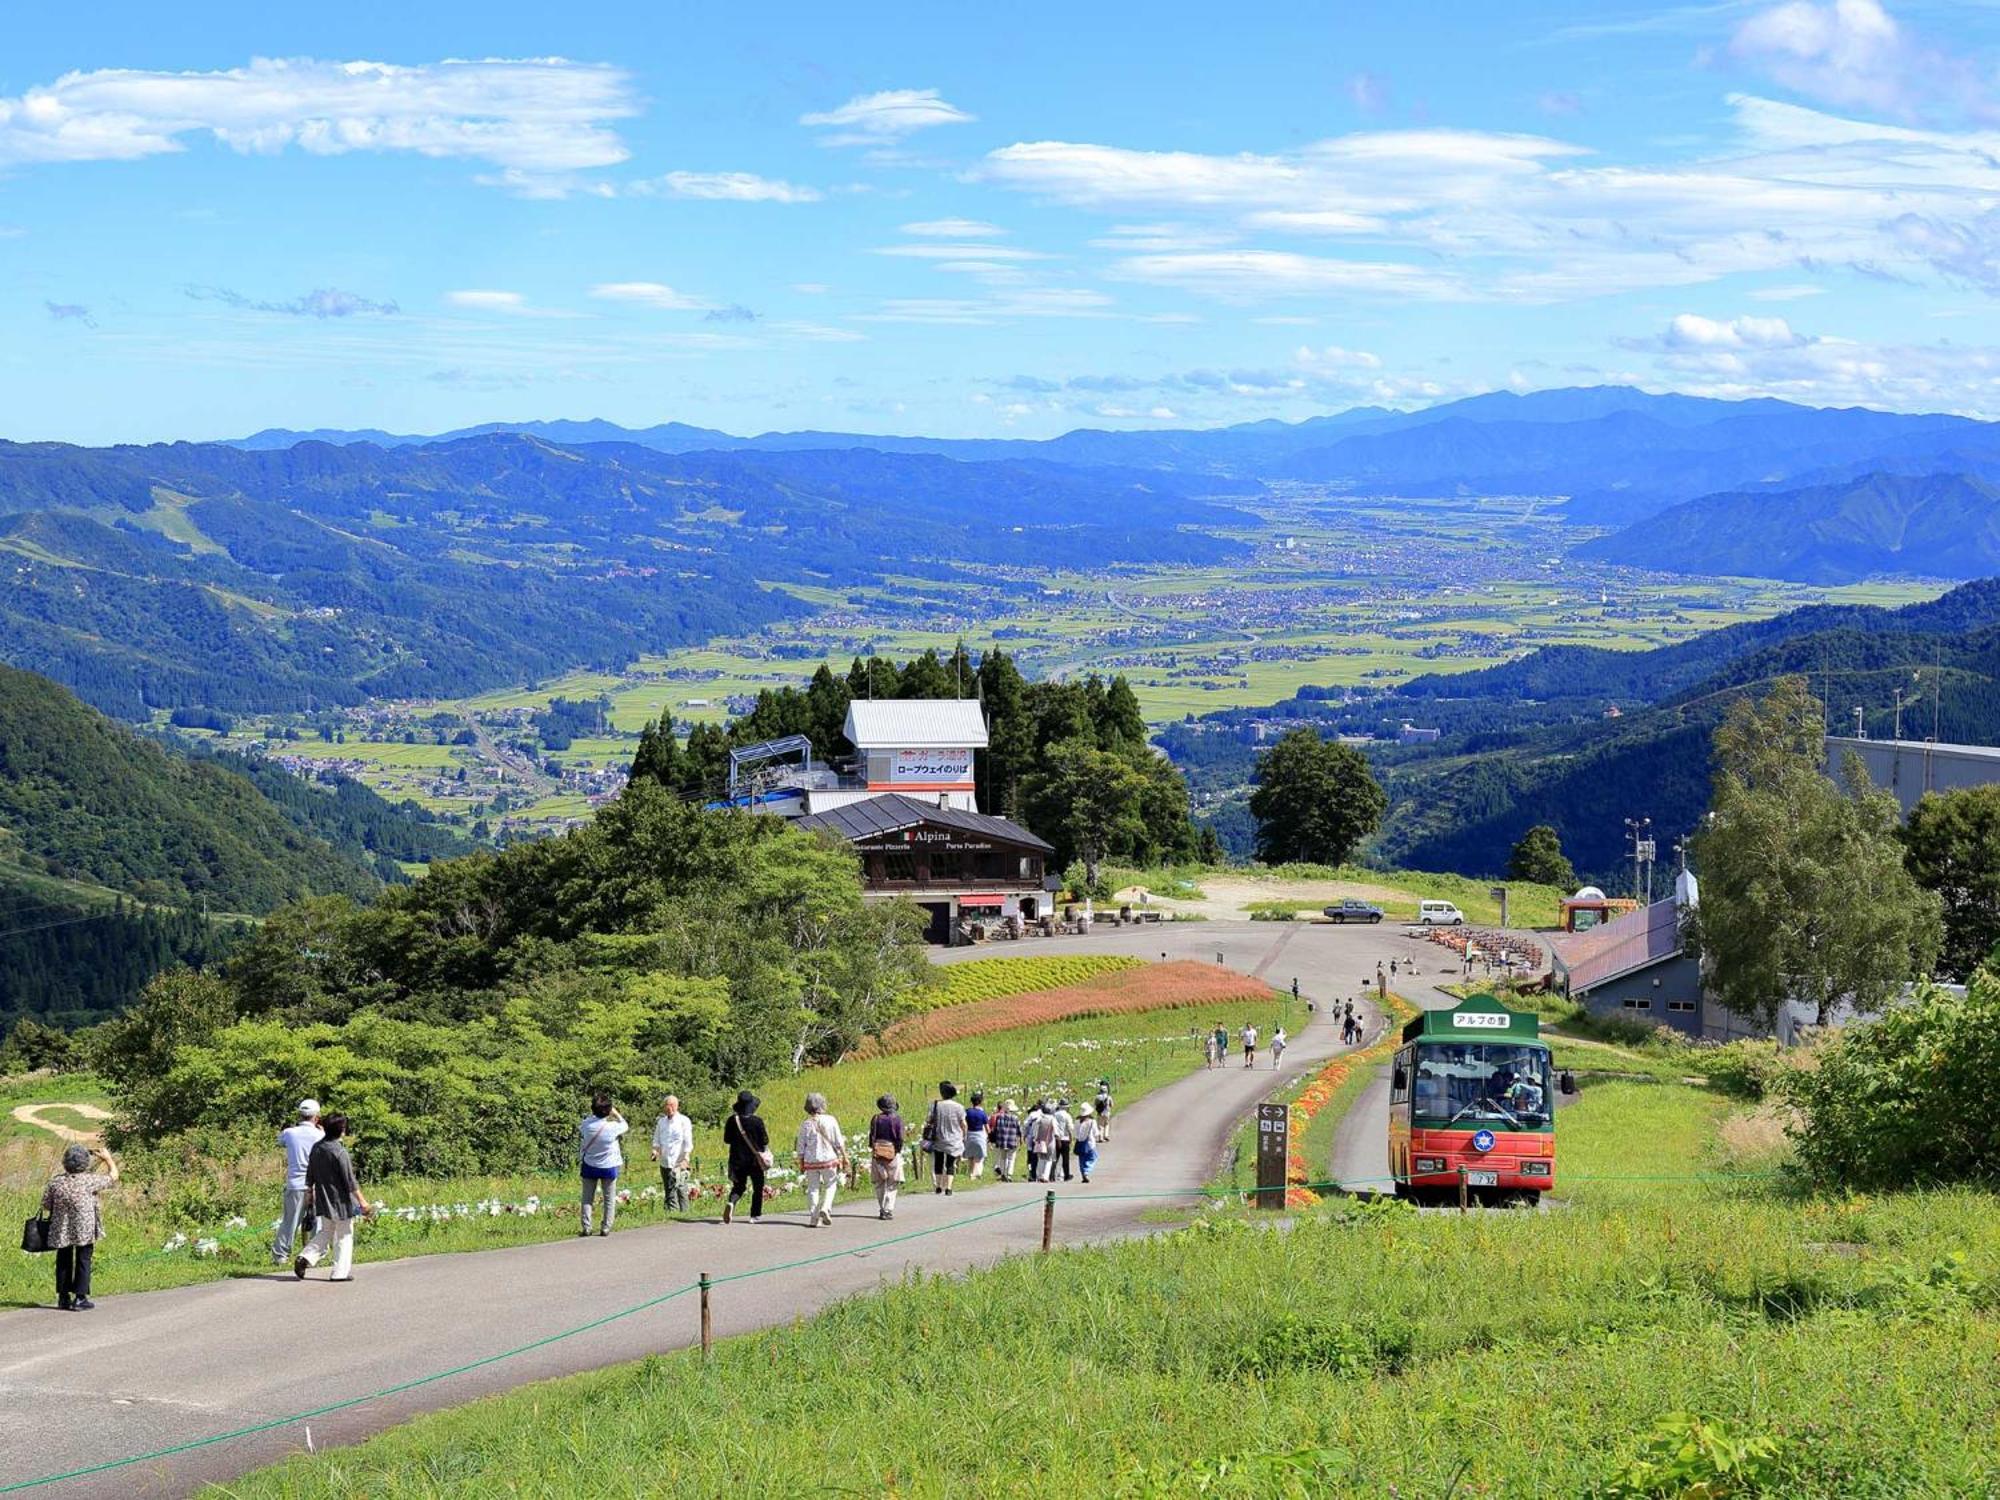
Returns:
point(296, 1141)
point(1249, 1045)
point(1065, 1140)
point(673, 1149)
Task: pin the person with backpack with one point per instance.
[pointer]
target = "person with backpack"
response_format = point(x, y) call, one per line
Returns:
point(944, 1136)
point(822, 1153)
point(1102, 1104)
point(885, 1155)
point(601, 1159)
point(1004, 1136)
point(1221, 1044)
point(749, 1144)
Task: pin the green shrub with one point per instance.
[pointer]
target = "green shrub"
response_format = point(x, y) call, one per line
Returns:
point(1694, 1458)
point(1273, 914)
point(1745, 1069)
point(1906, 1099)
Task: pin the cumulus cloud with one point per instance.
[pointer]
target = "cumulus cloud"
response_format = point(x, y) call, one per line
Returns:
point(653, 294)
point(70, 312)
point(884, 118)
point(1848, 53)
point(732, 187)
point(536, 121)
point(322, 303)
point(1692, 331)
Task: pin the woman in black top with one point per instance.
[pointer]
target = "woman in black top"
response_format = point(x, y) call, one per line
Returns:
point(749, 1154)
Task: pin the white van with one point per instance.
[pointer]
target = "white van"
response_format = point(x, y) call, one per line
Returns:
point(1439, 914)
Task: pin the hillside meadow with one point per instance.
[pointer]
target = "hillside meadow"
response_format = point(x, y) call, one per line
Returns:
point(1655, 1335)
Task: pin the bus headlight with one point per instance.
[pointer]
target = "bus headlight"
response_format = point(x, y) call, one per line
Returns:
point(1429, 1164)
point(1534, 1169)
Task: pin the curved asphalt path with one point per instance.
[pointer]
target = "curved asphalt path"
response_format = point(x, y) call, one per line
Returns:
point(149, 1370)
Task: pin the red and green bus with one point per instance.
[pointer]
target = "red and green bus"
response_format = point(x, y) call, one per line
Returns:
point(1471, 1091)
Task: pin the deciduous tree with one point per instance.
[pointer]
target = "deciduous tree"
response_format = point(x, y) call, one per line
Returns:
point(1952, 844)
point(1315, 800)
point(1539, 857)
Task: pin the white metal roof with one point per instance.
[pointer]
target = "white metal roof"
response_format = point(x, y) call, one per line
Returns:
point(916, 724)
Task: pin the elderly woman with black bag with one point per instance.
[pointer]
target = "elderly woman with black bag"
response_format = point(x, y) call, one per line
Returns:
point(73, 1223)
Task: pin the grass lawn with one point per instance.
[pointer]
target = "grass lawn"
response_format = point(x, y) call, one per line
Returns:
point(1373, 1352)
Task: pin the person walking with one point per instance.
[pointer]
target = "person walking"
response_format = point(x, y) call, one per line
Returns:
point(601, 1159)
point(976, 1124)
point(944, 1136)
point(749, 1145)
point(76, 1220)
point(337, 1201)
point(822, 1152)
point(296, 1141)
point(1102, 1104)
point(673, 1149)
point(885, 1155)
point(1004, 1138)
point(1249, 1045)
point(1277, 1048)
point(1041, 1129)
point(1065, 1138)
point(1086, 1140)
point(1221, 1039)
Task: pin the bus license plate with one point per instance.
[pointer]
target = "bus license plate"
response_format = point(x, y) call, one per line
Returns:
point(1482, 1179)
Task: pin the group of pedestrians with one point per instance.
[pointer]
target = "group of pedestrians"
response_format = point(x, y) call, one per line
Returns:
point(322, 1196)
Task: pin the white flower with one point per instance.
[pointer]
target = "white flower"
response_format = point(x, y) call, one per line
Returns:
point(207, 1247)
point(237, 1222)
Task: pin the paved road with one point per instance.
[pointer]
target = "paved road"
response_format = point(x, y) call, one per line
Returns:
point(149, 1370)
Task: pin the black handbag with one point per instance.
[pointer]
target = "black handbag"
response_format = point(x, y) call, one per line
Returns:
point(35, 1235)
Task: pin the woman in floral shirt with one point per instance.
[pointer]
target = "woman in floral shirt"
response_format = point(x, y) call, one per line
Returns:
point(76, 1223)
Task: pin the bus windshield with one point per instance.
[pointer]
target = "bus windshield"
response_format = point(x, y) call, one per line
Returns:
point(1494, 1085)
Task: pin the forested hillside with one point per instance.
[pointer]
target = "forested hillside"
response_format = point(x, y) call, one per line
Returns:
point(211, 576)
point(1937, 525)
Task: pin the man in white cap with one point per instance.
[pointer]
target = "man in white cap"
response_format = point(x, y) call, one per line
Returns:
point(296, 1141)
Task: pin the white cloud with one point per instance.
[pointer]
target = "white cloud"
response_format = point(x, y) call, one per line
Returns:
point(1001, 306)
point(732, 187)
point(1849, 53)
point(1333, 357)
point(1245, 275)
point(885, 118)
point(538, 121)
point(1692, 331)
point(653, 294)
point(1727, 361)
point(1453, 215)
point(961, 252)
point(955, 229)
point(487, 301)
point(1789, 293)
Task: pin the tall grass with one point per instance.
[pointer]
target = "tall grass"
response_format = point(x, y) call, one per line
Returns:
point(1377, 1352)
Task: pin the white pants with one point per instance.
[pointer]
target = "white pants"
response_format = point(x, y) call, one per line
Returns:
point(340, 1234)
point(1005, 1167)
point(821, 1183)
point(887, 1177)
point(1041, 1166)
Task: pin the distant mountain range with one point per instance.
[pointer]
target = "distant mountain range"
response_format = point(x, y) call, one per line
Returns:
point(1937, 525)
point(1620, 455)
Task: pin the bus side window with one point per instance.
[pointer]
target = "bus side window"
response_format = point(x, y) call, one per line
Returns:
point(1400, 1083)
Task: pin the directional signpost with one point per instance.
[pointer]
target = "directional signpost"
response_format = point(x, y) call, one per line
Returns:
point(1274, 1126)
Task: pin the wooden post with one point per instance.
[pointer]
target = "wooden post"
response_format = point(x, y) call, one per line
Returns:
point(1048, 1220)
point(1463, 1195)
point(707, 1328)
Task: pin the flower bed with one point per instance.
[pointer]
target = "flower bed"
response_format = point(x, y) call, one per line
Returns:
point(1148, 987)
point(997, 978)
point(1322, 1089)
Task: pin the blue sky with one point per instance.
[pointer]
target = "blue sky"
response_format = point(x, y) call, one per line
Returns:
point(994, 220)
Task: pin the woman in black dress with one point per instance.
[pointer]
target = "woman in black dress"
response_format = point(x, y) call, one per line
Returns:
point(749, 1155)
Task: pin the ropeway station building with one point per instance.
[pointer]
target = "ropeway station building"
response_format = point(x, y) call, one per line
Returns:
point(908, 803)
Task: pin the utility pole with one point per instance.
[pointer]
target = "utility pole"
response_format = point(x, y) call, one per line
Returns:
point(1640, 832)
point(1860, 729)
point(1899, 714)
